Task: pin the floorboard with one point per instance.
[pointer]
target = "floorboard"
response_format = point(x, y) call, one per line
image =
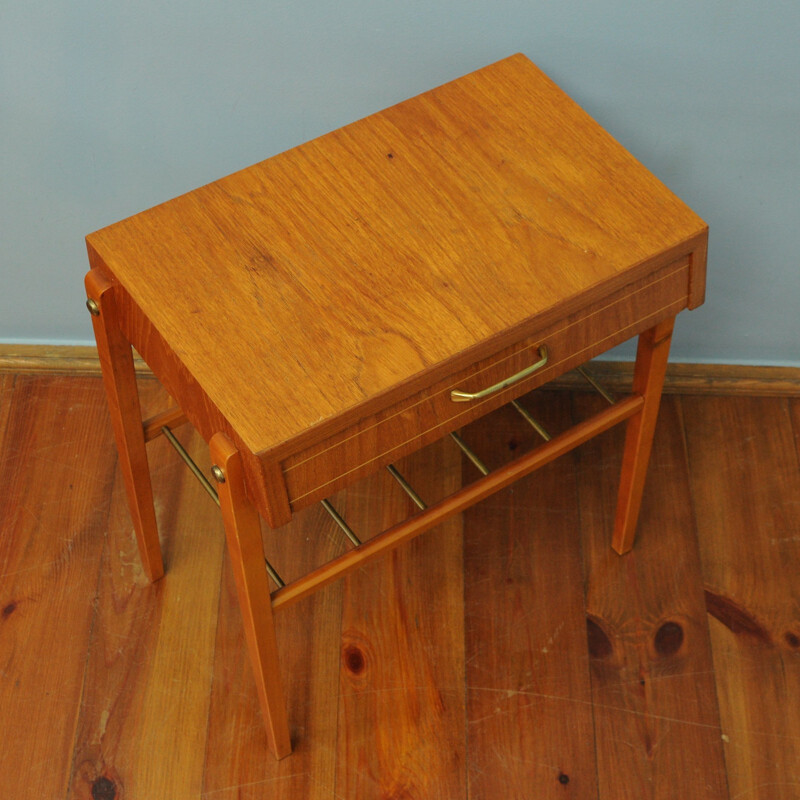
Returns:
point(6, 388)
point(520, 658)
point(142, 731)
point(308, 638)
point(529, 713)
point(746, 485)
point(401, 690)
point(53, 509)
point(657, 728)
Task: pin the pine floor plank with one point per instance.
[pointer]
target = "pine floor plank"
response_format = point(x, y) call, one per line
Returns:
point(145, 701)
point(529, 713)
point(6, 400)
point(6, 388)
point(308, 640)
point(746, 485)
point(657, 728)
point(401, 697)
point(52, 508)
point(114, 688)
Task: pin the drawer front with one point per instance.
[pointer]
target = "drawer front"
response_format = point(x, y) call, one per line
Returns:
point(398, 430)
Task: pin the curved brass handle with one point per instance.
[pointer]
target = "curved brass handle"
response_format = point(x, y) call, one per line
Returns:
point(457, 396)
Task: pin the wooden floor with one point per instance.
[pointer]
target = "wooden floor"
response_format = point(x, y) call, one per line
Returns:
point(507, 654)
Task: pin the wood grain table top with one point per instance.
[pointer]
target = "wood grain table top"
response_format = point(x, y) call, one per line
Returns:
point(355, 268)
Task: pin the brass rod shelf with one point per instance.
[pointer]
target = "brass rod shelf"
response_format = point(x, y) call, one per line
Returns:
point(277, 580)
point(189, 461)
point(457, 502)
point(534, 423)
point(406, 486)
point(207, 485)
point(470, 453)
point(598, 387)
point(339, 520)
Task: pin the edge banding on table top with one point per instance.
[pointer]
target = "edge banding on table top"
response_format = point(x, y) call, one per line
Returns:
point(300, 289)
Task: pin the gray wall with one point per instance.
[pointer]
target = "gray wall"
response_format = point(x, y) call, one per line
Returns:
point(109, 107)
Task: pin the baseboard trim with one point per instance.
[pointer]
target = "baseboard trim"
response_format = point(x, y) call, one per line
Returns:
point(718, 379)
point(615, 375)
point(31, 359)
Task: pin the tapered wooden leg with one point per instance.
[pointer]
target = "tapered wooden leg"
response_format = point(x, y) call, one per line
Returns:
point(119, 378)
point(243, 532)
point(648, 380)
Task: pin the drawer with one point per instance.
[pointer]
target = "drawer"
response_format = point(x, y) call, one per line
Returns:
point(383, 437)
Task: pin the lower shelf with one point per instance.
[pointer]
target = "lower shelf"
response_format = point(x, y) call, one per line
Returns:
point(459, 501)
point(427, 516)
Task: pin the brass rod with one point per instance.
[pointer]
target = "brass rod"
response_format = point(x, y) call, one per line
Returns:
point(457, 502)
point(274, 575)
point(470, 453)
point(206, 484)
point(406, 486)
point(601, 389)
point(337, 518)
point(537, 426)
point(187, 459)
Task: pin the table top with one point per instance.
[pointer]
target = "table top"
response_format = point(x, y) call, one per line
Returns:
point(342, 273)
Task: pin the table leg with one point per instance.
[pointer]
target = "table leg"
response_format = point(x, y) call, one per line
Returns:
point(648, 380)
point(243, 532)
point(119, 378)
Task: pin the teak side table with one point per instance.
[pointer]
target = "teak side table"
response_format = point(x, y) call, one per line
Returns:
point(327, 311)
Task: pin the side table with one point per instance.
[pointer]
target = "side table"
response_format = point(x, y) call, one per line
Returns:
point(327, 311)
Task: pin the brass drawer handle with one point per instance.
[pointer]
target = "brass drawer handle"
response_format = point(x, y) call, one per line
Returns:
point(457, 396)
